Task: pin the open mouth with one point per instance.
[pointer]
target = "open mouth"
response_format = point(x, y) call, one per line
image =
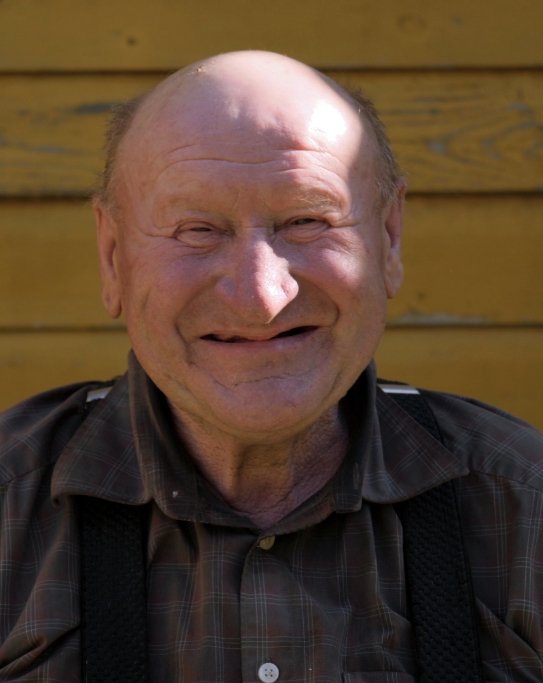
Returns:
point(294, 331)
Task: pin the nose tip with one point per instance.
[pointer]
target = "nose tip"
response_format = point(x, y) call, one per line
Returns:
point(259, 284)
point(269, 296)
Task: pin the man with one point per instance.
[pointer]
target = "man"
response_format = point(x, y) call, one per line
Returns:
point(249, 231)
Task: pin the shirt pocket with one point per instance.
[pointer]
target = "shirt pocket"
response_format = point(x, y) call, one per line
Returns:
point(378, 677)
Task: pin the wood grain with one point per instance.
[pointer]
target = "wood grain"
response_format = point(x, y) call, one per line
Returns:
point(47, 35)
point(453, 132)
point(462, 131)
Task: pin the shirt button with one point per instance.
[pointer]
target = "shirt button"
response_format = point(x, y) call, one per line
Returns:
point(266, 543)
point(268, 673)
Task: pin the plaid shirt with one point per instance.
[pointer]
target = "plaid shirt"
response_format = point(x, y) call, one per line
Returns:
point(320, 595)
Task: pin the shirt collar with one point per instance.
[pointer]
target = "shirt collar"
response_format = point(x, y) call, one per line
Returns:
point(100, 460)
point(127, 450)
point(391, 456)
point(405, 459)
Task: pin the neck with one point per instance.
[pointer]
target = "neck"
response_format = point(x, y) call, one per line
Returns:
point(264, 479)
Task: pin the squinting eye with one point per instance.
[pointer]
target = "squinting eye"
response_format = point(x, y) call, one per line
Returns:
point(305, 229)
point(197, 235)
point(303, 221)
point(200, 228)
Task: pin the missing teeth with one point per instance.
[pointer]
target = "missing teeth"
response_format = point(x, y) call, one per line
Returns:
point(232, 340)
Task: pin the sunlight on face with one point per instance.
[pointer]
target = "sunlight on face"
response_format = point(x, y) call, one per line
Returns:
point(328, 120)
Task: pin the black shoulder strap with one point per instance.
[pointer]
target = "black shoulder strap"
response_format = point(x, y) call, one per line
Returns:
point(437, 571)
point(113, 586)
point(113, 596)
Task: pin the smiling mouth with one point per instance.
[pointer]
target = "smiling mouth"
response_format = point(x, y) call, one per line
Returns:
point(293, 332)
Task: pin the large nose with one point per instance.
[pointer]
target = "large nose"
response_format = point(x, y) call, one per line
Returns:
point(257, 283)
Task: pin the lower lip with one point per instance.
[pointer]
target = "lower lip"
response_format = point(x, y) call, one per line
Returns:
point(276, 344)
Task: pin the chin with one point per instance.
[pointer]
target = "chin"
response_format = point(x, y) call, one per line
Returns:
point(281, 410)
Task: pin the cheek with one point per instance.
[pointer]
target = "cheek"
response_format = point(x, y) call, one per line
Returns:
point(149, 277)
point(354, 281)
point(354, 273)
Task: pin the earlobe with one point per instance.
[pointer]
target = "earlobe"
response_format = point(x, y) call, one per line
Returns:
point(393, 223)
point(106, 234)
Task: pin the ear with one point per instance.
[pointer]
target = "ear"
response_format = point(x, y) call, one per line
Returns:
point(107, 236)
point(393, 224)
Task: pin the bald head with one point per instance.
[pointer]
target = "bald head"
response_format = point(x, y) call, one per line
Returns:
point(241, 93)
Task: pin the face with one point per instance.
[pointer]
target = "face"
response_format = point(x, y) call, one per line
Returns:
point(253, 266)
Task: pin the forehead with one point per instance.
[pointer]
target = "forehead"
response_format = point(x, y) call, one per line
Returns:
point(232, 188)
point(185, 129)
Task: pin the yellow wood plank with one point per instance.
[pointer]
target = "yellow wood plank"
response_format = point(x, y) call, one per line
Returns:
point(472, 260)
point(502, 367)
point(49, 266)
point(112, 35)
point(34, 362)
point(462, 132)
point(469, 260)
point(453, 132)
point(52, 130)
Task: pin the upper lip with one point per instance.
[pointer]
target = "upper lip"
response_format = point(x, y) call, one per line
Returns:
point(233, 335)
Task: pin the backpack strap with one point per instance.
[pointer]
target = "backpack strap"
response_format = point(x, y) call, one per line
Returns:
point(113, 586)
point(438, 577)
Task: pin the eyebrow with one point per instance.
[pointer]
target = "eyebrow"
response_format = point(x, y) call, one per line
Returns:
point(306, 199)
point(319, 200)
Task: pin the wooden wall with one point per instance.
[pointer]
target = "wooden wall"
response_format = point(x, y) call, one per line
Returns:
point(460, 87)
